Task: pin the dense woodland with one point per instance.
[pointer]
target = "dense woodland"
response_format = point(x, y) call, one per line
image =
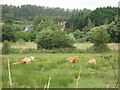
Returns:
point(80, 24)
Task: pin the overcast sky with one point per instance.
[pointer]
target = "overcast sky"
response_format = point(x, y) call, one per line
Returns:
point(70, 4)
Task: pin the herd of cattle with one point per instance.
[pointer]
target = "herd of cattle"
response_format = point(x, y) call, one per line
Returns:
point(69, 60)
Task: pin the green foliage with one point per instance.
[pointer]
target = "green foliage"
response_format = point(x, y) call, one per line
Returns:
point(48, 23)
point(37, 19)
point(85, 20)
point(8, 33)
point(48, 39)
point(44, 39)
point(24, 36)
point(6, 48)
point(89, 34)
point(72, 36)
point(19, 22)
point(18, 27)
point(29, 11)
point(33, 34)
point(89, 26)
point(8, 19)
point(78, 20)
point(6, 10)
point(59, 19)
point(78, 34)
point(61, 39)
point(103, 15)
point(100, 39)
point(114, 30)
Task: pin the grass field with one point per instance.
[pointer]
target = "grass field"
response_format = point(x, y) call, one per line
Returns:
point(63, 75)
point(83, 46)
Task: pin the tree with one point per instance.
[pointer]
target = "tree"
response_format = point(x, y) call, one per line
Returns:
point(100, 39)
point(8, 33)
point(8, 19)
point(37, 19)
point(24, 36)
point(48, 23)
point(78, 34)
point(33, 34)
point(89, 26)
point(49, 39)
point(90, 33)
point(103, 15)
point(78, 20)
point(114, 30)
point(6, 10)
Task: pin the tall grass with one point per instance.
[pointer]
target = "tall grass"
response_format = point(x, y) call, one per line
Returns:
point(36, 74)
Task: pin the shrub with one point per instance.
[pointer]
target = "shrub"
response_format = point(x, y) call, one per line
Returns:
point(89, 34)
point(45, 40)
point(48, 39)
point(24, 36)
point(78, 34)
point(6, 49)
point(100, 39)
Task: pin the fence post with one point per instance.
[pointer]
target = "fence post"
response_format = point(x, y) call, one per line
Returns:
point(10, 80)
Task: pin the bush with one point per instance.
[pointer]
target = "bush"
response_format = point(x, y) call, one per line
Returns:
point(100, 39)
point(24, 36)
point(89, 34)
point(8, 33)
point(6, 49)
point(48, 39)
point(78, 34)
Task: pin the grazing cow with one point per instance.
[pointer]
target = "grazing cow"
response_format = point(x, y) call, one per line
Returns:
point(72, 59)
point(91, 61)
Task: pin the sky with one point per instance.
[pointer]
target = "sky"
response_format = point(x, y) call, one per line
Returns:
point(66, 4)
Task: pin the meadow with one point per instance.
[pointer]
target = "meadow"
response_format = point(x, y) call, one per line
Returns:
point(36, 74)
point(32, 45)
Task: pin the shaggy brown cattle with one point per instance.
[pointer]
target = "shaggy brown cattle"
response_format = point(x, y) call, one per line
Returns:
point(72, 59)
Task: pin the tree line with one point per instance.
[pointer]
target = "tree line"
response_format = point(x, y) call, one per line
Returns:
point(30, 11)
point(99, 16)
point(81, 26)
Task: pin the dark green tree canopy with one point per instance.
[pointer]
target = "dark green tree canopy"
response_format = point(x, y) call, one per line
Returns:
point(8, 18)
point(104, 15)
point(114, 30)
point(97, 17)
point(8, 33)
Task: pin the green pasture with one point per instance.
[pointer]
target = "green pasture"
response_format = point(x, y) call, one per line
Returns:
point(63, 75)
point(83, 46)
